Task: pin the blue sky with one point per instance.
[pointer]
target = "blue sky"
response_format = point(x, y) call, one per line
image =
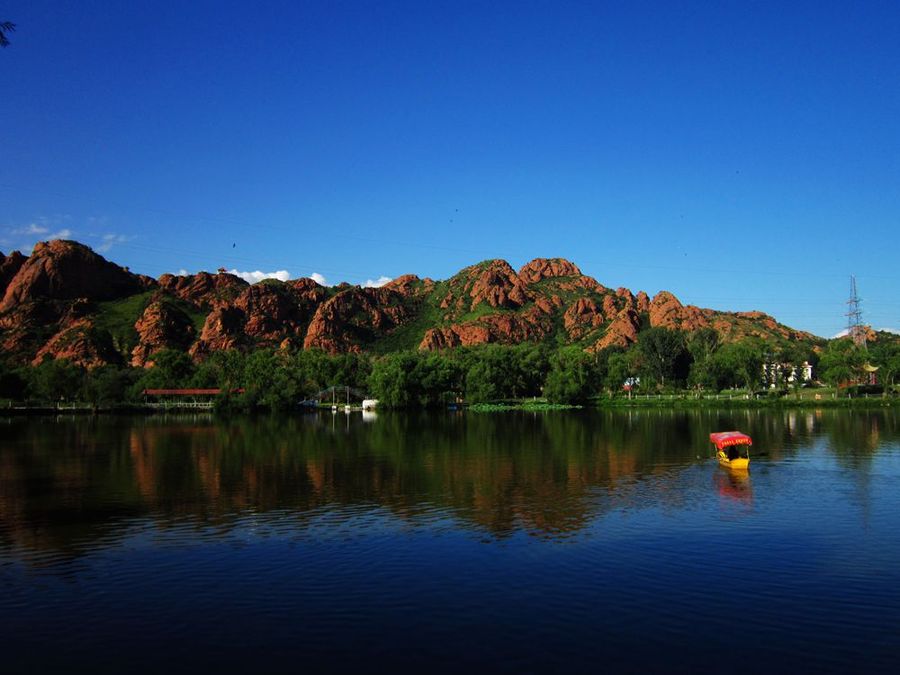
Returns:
point(743, 155)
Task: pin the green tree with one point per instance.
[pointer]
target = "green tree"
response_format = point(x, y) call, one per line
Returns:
point(702, 344)
point(795, 359)
point(171, 369)
point(55, 380)
point(12, 384)
point(885, 353)
point(738, 364)
point(482, 381)
point(440, 378)
point(431, 379)
point(664, 353)
point(842, 362)
point(502, 371)
point(620, 368)
point(394, 380)
point(109, 385)
point(890, 368)
point(572, 377)
point(223, 370)
point(269, 381)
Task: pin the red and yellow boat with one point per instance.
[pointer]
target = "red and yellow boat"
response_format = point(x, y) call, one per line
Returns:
point(732, 448)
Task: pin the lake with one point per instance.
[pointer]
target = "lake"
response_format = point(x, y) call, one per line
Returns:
point(510, 542)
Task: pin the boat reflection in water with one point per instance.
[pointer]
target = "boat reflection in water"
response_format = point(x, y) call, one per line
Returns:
point(733, 484)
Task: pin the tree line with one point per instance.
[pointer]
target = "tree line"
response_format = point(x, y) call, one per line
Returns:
point(662, 360)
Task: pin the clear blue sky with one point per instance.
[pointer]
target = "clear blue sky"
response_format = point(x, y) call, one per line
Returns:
point(744, 155)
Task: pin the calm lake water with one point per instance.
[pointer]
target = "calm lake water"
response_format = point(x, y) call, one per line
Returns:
point(510, 542)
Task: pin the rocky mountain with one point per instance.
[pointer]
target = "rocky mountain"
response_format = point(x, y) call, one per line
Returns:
point(66, 301)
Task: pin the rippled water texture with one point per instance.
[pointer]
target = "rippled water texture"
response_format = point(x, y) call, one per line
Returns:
point(509, 542)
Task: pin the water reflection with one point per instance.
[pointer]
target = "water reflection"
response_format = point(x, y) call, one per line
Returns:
point(733, 485)
point(69, 483)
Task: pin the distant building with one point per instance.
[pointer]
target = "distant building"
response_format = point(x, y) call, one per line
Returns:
point(773, 373)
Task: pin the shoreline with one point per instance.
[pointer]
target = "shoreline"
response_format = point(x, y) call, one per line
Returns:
point(660, 403)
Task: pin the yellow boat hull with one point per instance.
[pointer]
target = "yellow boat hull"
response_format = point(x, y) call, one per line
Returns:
point(736, 463)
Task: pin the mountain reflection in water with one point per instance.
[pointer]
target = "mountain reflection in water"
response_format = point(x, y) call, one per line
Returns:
point(76, 479)
point(515, 541)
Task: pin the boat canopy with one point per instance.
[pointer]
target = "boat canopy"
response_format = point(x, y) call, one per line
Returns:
point(722, 439)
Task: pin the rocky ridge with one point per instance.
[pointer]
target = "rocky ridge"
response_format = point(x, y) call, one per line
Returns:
point(66, 301)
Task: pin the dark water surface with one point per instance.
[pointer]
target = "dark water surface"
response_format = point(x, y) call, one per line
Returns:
point(502, 542)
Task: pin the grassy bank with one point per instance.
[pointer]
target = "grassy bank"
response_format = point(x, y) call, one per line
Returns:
point(773, 403)
point(529, 405)
point(807, 399)
point(680, 401)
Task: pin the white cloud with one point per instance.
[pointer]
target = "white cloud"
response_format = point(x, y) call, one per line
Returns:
point(28, 247)
point(845, 332)
point(108, 240)
point(378, 283)
point(182, 272)
point(370, 283)
point(254, 277)
point(42, 230)
point(25, 237)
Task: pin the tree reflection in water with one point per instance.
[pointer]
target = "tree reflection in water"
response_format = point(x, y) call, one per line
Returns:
point(69, 482)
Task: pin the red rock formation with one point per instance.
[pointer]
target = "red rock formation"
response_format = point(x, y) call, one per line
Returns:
point(161, 326)
point(409, 285)
point(734, 326)
point(63, 270)
point(9, 267)
point(493, 282)
point(81, 344)
point(610, 308)
point(307, 290)
point(622, 332)
point(276, 311)
point(755, 314)
point(583, 316)
point(626, 298)
point(355, 317)
point(57, 292)
point(204, 290)
point(666, 311)
point(455, 336)
point(223, 330)
point(24, 328)
point(528, 326)
point(546, 268)
point(504, 328)
point(548, 305)
point(565, 275)
point(78, 309)
point(643, 302)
